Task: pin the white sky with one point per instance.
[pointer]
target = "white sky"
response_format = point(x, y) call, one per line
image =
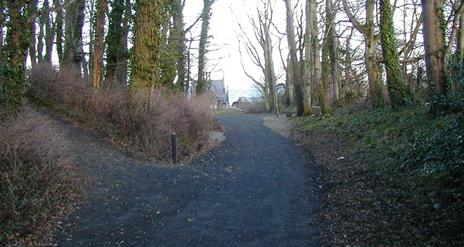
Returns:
point(224, 43)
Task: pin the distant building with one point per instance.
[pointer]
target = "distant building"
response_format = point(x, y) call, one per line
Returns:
point(217, 93)
point(245, 103)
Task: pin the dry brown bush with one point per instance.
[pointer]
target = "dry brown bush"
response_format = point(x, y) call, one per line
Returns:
point(140, 120)
point(37, 179)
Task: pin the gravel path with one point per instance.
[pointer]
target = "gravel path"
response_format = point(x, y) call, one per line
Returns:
point(253, 190)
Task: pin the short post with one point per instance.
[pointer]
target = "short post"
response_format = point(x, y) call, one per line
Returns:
point(174, 147)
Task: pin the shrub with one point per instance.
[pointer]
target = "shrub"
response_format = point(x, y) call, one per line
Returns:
point(453, 99)
point(37, 178)
point(139, 120)
point(439, 156)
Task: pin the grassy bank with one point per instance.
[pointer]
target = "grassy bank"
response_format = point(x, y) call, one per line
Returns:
point(401, 179)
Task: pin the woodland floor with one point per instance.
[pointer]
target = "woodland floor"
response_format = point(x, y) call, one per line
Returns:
point(255, 189)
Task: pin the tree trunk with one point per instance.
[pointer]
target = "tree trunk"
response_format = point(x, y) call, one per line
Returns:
point(315, 56)
point(373, 73)
point(74, 21)
point(372, 62)
point(92, 25)
point(460, 47)
point(327, 58)
point(296, 76)
point(434, 44)
point(178, 38)
point(396, 87)
point(146, 55)
point(116, 44)
point(40, 37)
point(32, 9)
point(2, 24)
point(269, 64)
point(49, 36)
point(333, 50)
point(58, 27)
point(206, 15)
point(14, 85)
point(334, 63)
point(370, 51)
point(308, 108)
point(99, 47)
point(291, 88)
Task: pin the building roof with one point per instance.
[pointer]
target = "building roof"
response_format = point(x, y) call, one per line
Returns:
point(218, 89)
point(250, 99)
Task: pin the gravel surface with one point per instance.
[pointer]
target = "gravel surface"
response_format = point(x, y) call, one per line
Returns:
point(255, 189)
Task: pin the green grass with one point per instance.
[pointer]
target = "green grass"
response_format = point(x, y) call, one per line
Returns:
point(227, 111)
point(385, 135)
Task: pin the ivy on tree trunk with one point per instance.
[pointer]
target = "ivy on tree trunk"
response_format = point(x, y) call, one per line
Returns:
point(202, 50)
point(396, 87)
point(13, 84)
point(147, 44)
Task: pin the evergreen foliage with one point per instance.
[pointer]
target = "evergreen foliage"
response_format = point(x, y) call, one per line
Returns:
point(397, 88)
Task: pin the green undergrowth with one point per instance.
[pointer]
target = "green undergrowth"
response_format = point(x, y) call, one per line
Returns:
point(228, 111)
point(404, 140)
point(421, 156)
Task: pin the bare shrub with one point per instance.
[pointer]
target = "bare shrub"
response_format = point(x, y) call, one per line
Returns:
point(139, 120)
point(37, 180)
point(64, 87)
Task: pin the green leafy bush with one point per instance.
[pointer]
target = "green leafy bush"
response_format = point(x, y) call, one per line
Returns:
point(440, 155)
point(453, 99)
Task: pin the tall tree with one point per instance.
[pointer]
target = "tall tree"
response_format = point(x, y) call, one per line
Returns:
point(460, 46)
point(13, 82)
point(332, 43)
point(265, 22)
point(202, 49)
point(2, 24)
point(41, 34)
point(73, 56)
point(434, 42)
point(58, 27)
point(296, 76)
point(49, 32)
point(370, 50)
point(178, 43)
point(99, 44)
point(260, 52)
point(328, 57)
point(117, 52)
point(32, 9)
point(308, 72)
point(168, 56)
point(146, 54)
point(395, 81)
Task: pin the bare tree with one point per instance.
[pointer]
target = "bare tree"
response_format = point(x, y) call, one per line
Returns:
point(261, 54)
point(296, 76)
point(371, 56)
